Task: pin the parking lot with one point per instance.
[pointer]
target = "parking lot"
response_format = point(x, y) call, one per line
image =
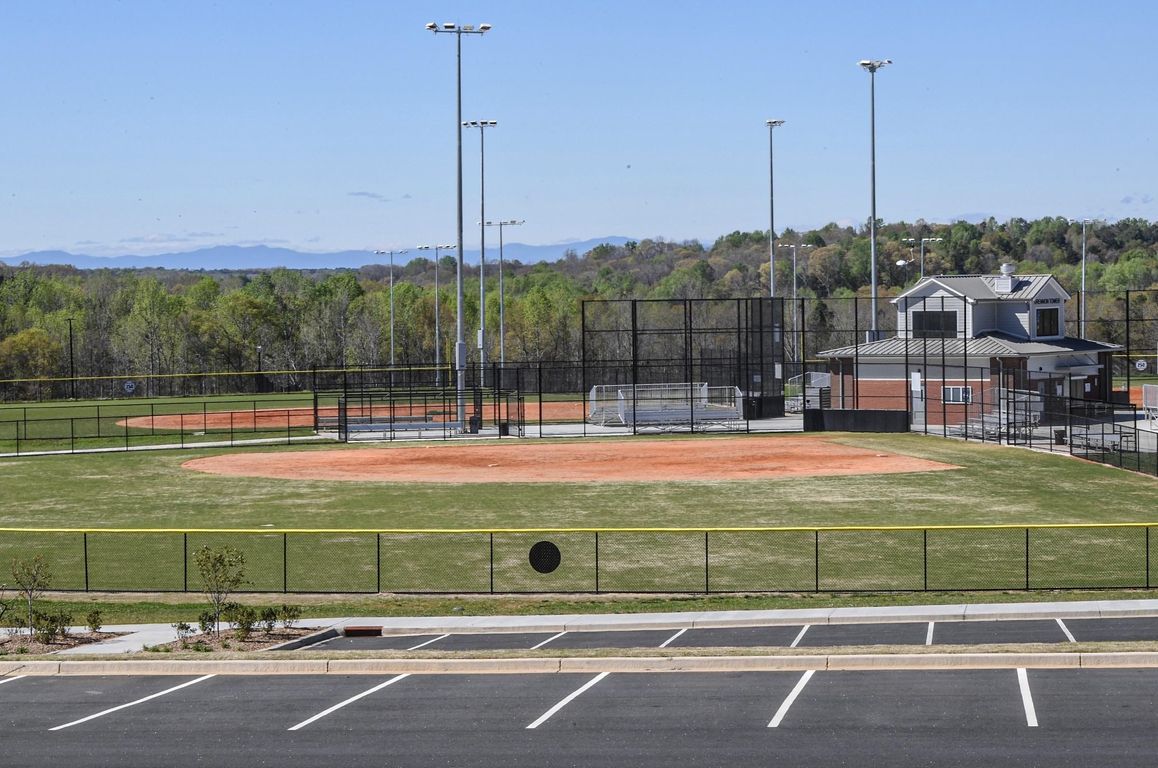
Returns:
point(784, 636)
point(895, 718)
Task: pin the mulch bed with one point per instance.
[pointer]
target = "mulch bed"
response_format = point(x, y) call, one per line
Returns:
point(11, 645)
point(258, 640)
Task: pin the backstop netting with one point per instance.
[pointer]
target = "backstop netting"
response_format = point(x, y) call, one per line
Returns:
point(664, 405)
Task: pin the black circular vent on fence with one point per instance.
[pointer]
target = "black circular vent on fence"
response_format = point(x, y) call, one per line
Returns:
point(545, 557)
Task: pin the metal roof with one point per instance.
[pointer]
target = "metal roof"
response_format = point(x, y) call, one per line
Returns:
point(983, 287)
point(987, 345)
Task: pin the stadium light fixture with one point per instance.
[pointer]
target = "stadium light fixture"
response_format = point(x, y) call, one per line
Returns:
point(451, 28)
point(871, 66)
point(379, 253)
point(772, 125)
point(502, 298)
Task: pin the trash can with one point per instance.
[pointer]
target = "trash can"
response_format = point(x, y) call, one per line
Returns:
point(1059, 437)
point(474, 424)
point(504, 429)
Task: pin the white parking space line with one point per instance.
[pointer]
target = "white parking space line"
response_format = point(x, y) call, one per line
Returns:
point(549, 639)
point(929, 635)
point(673, 637)
point(1026, 698)
point(10, 679)
point(800, 636)
point(780, 713)
point(1066, 629)
point(547, 715)
point(132, 703)
point(350, 700)
point(428, 642)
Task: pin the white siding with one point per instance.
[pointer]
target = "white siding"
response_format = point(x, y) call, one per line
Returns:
point(981, 318)
point(939, 301)
point(1012, 317)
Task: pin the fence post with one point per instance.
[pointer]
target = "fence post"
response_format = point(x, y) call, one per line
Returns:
point(285, 562)
point(185, 561)
point(1027, 559)
point(378, 560)
point(86, 560)
point(72, 435)
point(597, 562)
point(492, 537)
point(707, 584)
point(816, 556)
point(925, 556)
point(1147, 557)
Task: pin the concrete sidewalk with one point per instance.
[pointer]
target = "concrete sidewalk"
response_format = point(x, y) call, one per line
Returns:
point(153, 634)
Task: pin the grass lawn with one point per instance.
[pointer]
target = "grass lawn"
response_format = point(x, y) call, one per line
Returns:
point(90, 424)
point(995, 485)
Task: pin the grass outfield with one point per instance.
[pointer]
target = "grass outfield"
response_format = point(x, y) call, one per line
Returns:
point(996, 485)
point(91, 424)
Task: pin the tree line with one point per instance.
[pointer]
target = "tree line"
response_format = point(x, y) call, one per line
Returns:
point(151, 321)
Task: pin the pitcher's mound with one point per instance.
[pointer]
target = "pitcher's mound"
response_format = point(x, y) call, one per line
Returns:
point(524, 461)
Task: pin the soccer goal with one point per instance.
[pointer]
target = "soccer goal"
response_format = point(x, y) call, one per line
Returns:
point(666, 406)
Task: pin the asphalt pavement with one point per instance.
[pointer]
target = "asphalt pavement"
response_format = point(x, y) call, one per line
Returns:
point(1011, 717)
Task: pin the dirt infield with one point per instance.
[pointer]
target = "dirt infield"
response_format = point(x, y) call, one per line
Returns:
point(741, 458)
point(281, 418)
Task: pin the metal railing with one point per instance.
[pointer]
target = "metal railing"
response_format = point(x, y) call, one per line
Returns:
point(605, 560)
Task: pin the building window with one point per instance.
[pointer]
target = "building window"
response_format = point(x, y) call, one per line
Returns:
point(1047, 322)
point(934, 325)
point(957, 394)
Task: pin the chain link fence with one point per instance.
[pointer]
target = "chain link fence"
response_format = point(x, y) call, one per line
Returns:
point(603, 561)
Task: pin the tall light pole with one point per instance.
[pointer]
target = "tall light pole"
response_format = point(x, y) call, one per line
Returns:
point(1085, 223)
point(502, 298)
point(923, 241)
point(71, 361)
point(437, 312)
point(391, 308)
point(458, 30)
point(260, 385)
point(772, 125)
point(482, 125)
point(795, 315)
point(872, 66)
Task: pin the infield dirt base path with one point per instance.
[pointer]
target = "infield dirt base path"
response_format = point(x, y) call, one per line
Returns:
point(741, 458)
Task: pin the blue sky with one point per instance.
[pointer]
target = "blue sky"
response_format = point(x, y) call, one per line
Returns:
point(147, 127)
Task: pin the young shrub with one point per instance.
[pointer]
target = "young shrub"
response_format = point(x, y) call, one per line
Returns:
point(7, 606)
point(31, 579)
point(222, 571)
point(92, 620)
point(184, 632)
point(206, 622)
point(289, 615)
point(268, 620)
point(63, 620)
point(43, 627)
point(244, 620)
point(47, 627)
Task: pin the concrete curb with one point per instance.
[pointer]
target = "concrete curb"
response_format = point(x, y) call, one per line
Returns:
point(547, 665)
point(1092, 609)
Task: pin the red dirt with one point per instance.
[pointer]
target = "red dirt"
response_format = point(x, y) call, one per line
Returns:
point(274, 418)
point(741, 458)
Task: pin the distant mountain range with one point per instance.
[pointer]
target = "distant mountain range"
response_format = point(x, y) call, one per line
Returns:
point(263, 257)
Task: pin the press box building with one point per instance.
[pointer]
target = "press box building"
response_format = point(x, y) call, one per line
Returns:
point(957, 334)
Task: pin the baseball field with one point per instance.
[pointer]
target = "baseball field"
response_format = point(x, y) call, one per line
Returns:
point(789, 480)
